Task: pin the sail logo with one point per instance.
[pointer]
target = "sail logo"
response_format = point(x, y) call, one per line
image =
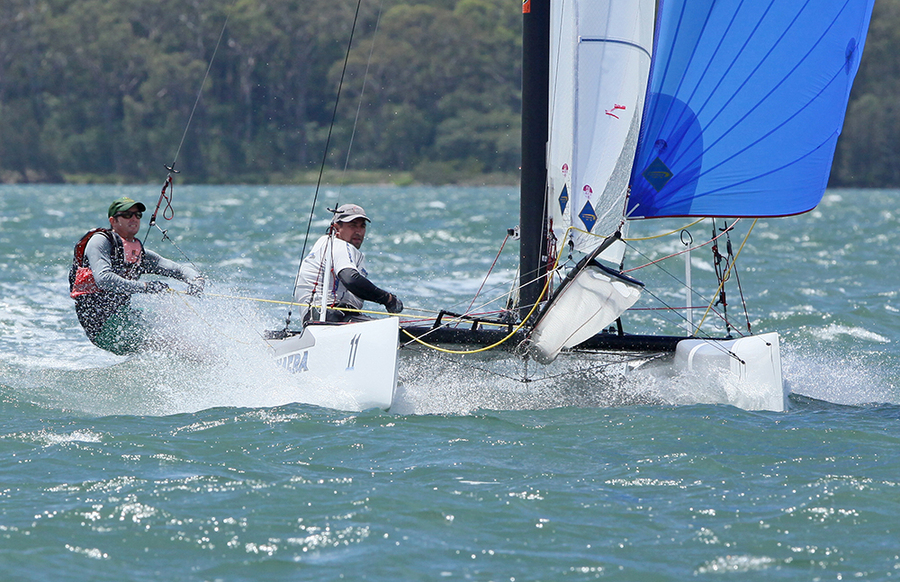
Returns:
point(616, 107)
point(565, 170)
point(588, 216)
point(658, 174)
point(563, 198)
point(526, 6)
point(588, 191)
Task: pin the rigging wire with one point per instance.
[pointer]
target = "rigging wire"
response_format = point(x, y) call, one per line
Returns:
point(312, 210)
point(362, 94)
point(168, 183)
point(202, 83)
point(670, 309)
point(657, 263)
point(740, 248)
point(723, 278)
point(490, 270)
point(681, 252)
point(168, 211)
point(722, 273)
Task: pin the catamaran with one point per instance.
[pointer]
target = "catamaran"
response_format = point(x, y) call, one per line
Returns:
point(637, 110)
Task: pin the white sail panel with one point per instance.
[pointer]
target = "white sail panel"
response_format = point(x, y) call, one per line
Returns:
point(562, 97)
point(600, 62)
point(585, 306)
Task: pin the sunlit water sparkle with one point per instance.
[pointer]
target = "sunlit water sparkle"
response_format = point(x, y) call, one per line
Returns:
point(205, 462)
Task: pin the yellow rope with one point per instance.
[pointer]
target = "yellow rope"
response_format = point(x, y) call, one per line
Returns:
point(254, 299)
point(485, 348)
point(727, 274)
point(257, 299)
point(509, 335)
point(200, 317)
point(434, 347)
point(664, 234)
point(565, 234)
point(525, 319)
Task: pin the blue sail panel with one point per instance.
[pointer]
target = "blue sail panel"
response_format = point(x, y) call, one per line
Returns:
point(745, 103)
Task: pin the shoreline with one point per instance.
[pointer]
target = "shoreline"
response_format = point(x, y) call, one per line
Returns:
point(329, 176)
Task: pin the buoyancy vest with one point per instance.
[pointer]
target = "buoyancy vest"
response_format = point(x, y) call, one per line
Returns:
point(81, 278)
point(93, 305)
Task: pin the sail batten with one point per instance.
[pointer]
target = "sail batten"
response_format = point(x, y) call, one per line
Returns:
point(759, 103)
point(625, 42)
point(745, 104)
point(721, 109)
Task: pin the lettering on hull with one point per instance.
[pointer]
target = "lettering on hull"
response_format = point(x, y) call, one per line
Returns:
point(354, 348)
point(296, 363)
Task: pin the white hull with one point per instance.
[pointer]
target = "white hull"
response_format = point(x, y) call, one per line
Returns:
point(642, 370)
point(360, 359)
point(744, 372)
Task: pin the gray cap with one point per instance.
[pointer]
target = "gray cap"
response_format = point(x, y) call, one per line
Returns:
point(348, 212)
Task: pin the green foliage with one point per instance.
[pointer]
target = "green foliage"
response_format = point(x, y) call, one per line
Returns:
point(866, 154)
point(106, 89)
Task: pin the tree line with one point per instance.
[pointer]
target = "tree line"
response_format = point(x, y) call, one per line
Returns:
point(100, 90)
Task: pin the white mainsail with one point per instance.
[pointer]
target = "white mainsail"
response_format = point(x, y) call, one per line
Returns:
point(599, 66)
point(600, 52)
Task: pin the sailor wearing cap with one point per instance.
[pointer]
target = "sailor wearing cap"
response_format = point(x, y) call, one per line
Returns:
point(105, 272)
point(350, 285)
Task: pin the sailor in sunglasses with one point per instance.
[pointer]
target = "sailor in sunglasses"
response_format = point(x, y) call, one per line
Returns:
point(104, 275)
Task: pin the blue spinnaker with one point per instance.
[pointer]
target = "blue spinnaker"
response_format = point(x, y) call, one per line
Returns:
point(745, 103)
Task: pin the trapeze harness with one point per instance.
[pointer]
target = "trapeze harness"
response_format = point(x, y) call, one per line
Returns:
point(92, 304)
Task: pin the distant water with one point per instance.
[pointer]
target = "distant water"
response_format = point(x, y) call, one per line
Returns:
point(206, 464)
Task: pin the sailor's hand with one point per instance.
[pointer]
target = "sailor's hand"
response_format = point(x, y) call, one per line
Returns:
point(155, 287)
point(394, 305)
point(195, 286)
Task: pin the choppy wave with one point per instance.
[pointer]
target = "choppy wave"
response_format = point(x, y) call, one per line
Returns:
point(203, 461)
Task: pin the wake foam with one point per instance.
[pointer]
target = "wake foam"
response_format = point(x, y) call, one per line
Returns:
point(839, 377)
point(434, 383)
point(214, 355)
point(211, 354)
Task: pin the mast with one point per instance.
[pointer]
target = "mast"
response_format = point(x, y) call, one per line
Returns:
point(535, 123)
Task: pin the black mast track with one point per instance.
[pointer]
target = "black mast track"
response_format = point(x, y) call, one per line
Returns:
point(535, 134)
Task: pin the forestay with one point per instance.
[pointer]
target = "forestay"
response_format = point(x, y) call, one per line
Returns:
point(599, 65)
point(746, 102)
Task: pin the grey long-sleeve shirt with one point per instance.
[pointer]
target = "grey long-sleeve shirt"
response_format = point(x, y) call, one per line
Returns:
point(99, 257)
